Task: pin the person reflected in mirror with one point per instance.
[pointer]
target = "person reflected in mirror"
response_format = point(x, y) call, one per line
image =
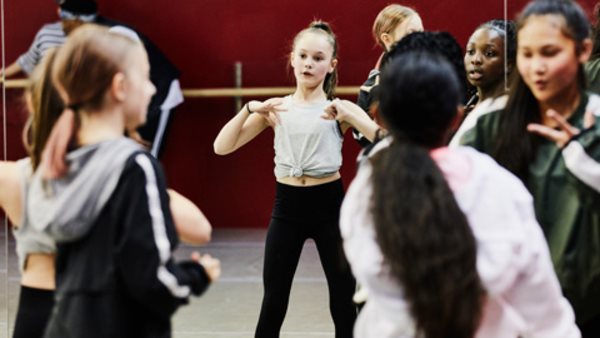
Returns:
point(163, 73)
point(392, 23)
point(489, 62)
point(547, 135)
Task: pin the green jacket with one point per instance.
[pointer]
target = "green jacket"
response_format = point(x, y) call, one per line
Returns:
point(592, 72)
point(565, 184)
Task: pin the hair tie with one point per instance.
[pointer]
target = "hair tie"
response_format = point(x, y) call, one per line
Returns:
point(322, 26)
point(74, 106)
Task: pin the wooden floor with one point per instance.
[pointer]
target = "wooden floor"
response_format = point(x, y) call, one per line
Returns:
point(230, 307)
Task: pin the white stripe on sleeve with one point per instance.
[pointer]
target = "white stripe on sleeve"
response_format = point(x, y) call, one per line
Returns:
point(580, 164)
point(160, 234)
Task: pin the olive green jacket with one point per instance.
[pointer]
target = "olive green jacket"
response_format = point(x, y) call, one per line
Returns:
point(592, 72)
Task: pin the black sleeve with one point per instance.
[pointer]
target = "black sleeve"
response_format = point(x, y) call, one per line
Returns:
point(144, 255)
point(366, 97)
point(162, 70)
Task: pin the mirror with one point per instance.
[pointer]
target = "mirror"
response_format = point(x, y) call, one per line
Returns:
point(204, 40)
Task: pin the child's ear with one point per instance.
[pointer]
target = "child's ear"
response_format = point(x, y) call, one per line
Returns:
point(334, 63)
point(586, 50)
point(117, 87)
point(386, 39)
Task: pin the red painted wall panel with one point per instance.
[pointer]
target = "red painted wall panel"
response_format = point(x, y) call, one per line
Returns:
point(204, 38)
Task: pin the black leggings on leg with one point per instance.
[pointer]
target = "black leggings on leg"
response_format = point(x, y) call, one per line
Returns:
point(340, 280)
point(35, 306)
point(300, 213)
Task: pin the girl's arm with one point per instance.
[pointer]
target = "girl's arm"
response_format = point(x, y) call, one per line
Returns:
point(144, 255)
point(10, 191)
point(254, 117)
point(11, 70)
point(351, 115)
point(191, 224)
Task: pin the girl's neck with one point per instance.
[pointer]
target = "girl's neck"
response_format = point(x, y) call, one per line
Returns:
point(309, 95)
point(100, 126)
point(490, 92)
point(564, 103)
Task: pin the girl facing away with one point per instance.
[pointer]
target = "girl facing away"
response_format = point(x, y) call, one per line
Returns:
point(547, 135)
point(465, 257)
point(309, 129)
point(489, 60)
point(35, 249)
point(392, 24)
point(103, 200)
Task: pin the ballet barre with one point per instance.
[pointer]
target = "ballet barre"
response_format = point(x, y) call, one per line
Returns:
point(222, 92)
point(19, 83)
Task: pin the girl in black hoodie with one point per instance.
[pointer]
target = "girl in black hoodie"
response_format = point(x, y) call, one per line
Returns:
point(104, 200)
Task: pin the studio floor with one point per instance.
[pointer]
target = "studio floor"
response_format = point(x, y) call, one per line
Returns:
point(231, 306)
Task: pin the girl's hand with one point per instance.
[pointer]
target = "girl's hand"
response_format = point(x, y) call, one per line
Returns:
point(268, 109)
point(567, 131)
point(351, 115)
point(342, 110)
point(211, 265)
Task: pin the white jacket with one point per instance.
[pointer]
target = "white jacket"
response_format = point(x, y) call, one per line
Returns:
point(524, 296)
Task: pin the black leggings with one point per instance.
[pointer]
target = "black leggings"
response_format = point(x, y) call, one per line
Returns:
point(35, 306)
point(300, 213)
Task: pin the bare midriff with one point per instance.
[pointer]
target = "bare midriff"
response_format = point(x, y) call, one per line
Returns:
point(39, 271)
point(307, 181)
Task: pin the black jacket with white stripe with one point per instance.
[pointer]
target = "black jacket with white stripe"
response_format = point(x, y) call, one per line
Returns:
point(120, 279)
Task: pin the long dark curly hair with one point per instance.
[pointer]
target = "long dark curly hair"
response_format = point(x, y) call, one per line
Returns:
point(423, 234)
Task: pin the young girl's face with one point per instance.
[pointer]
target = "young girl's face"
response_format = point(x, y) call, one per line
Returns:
point(139, 88)
point(547, 59)
point(484, 59)
point(412, 24)
point(312, 59)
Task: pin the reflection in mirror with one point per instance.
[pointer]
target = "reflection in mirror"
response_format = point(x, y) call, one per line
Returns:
point(259, 36)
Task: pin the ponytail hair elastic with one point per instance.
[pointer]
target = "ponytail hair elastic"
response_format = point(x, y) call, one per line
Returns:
point(321, 25)
point(73, 106)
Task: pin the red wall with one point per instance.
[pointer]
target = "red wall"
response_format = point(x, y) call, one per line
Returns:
point(204, 38)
